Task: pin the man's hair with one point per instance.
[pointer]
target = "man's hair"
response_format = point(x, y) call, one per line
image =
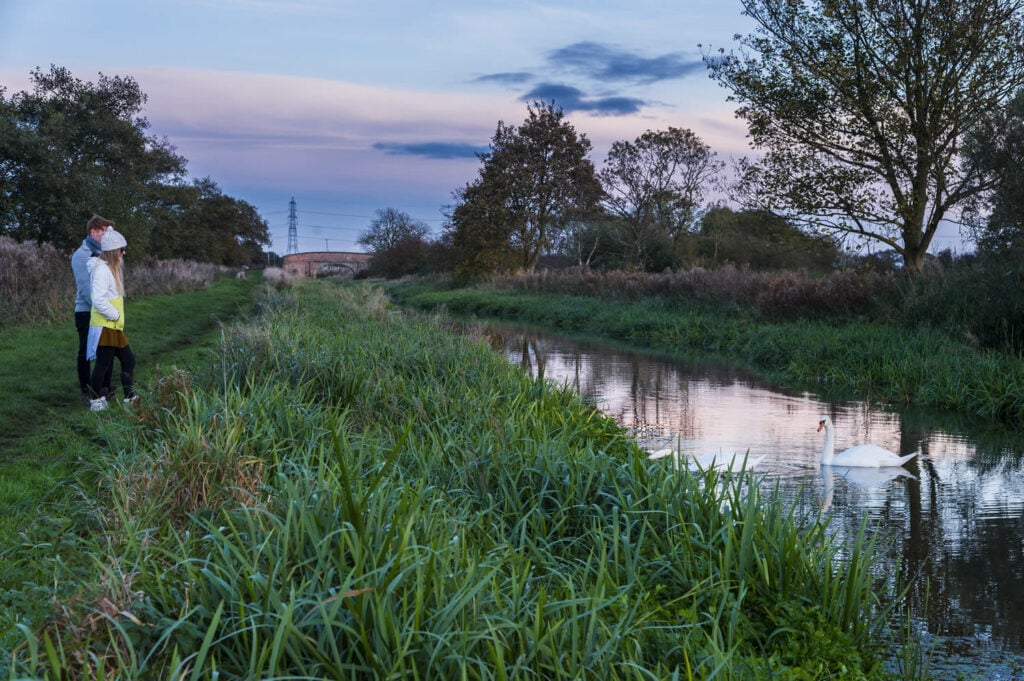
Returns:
point(97, 222)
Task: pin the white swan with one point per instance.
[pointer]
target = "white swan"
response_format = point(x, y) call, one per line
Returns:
point(861, 456)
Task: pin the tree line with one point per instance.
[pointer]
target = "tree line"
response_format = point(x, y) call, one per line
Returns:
point(538, 199)
point(874, 122)
point(69, 149)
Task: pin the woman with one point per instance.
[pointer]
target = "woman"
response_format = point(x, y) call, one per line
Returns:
point(106, 323)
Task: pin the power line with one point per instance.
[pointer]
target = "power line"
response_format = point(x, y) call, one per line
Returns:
point(365, 217)
point(332, 227)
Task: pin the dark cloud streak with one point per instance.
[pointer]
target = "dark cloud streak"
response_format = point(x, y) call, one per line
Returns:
point(607, 63)
point(516, 78)
point(434, 150)
point(571, 99)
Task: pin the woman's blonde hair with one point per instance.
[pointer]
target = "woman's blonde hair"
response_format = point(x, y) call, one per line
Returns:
point(116, 264)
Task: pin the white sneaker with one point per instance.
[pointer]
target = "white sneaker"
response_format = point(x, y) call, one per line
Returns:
point(131, 401)
point(99, 404)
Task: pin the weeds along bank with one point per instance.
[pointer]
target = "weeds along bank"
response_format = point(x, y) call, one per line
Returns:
point(353, 493)
point(36, 285)
point(839, 353)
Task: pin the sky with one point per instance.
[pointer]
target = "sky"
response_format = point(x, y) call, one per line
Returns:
point(351, 107)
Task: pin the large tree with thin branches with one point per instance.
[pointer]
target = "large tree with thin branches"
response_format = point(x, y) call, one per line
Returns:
point(860, 109)
point(654, 186)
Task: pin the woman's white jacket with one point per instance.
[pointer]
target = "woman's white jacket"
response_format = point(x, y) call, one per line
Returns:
point(107, 303)
point(107, 300)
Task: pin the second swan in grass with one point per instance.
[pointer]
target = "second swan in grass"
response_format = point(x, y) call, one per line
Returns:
point(861, 456)
point(720, 461)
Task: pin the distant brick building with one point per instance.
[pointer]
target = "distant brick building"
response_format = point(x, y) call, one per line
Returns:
point(326, 264)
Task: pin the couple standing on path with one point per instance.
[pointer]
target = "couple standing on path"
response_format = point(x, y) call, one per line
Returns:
point(98, 266)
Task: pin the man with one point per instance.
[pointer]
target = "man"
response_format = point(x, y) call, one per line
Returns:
point(95, 229)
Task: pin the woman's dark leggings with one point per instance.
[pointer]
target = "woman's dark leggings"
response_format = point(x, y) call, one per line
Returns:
point(105, 363)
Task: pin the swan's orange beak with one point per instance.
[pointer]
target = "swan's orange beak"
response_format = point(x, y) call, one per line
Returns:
point(821, 424)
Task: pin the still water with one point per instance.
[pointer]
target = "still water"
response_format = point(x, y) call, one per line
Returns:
point(954, 515)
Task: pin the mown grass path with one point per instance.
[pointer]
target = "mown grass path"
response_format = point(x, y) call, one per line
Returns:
point(38, 378)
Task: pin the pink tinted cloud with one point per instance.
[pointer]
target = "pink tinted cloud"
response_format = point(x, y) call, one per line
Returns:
point(265, 128)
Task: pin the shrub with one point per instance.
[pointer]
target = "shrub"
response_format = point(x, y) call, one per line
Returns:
point(36, 284)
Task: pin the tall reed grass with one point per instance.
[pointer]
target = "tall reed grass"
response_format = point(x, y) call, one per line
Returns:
point(36, 284)
point(769, 295)
point(975, 300)
point(353, 493)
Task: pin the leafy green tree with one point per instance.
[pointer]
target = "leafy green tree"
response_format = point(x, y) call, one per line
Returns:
point(655, 185)
point(861, 108)
point(762, 241)
point(400, 244)
point(70, 149)
point(535, 180)
point(199, 222)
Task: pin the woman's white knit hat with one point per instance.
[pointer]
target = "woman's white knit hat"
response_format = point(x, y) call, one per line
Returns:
point(113, 240)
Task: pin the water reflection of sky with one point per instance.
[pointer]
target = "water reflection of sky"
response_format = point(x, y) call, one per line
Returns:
point(954, 515)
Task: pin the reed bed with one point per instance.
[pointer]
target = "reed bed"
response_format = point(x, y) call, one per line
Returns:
point(36, 285)
point(352, 493)
point(769, 295)
point(975, 300)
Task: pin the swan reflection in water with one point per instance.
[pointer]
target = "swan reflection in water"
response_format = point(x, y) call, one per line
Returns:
point(865, 478)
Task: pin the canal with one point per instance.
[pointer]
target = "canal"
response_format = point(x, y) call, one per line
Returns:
point(953, 516)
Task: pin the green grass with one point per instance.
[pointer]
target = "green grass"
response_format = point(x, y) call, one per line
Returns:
point(347, 492)
point(46, 435)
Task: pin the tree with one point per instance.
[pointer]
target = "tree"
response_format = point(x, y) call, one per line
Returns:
point(861, 108)
point(535, 180)
point(389, 228)
point(199, 222)
point(997, 217)
point(654, 185)
point(762, 241)
point(70, 149)
point(400, 244)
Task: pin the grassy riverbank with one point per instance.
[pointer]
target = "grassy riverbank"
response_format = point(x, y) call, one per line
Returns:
point(47, 438)
point(840, 356)
point(347, 492)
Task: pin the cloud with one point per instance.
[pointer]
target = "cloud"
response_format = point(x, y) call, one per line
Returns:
point(514, 78)
point(606, 63)
point(572, 99)
point(435, 150)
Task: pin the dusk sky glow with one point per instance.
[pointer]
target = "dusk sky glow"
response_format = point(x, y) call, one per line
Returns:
point(353, 106)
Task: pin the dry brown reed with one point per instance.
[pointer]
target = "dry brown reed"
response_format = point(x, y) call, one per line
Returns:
point(36, 284)
point(92, 615)
point(773, 295)
point(277, 276)
point(205, 468)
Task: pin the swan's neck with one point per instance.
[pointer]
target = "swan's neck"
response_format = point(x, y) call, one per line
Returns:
point(828, 452)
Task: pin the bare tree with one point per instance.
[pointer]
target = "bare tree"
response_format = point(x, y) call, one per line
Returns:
point(655, 184)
